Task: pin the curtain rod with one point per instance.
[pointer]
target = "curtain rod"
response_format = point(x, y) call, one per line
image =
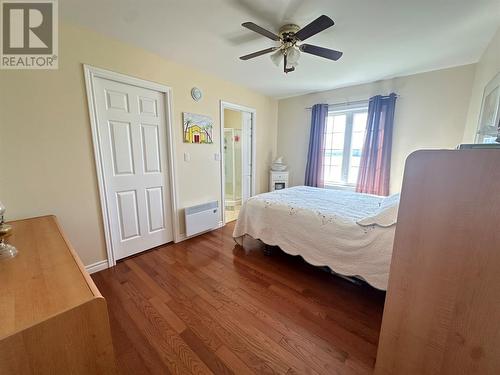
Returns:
point(354, 102)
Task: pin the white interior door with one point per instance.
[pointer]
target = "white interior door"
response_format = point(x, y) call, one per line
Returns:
point(246, 157)
point(133, 144)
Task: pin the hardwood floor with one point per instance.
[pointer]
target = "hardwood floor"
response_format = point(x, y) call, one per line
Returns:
point(207, 306)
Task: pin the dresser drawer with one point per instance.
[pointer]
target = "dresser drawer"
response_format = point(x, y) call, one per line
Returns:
point(279, 176)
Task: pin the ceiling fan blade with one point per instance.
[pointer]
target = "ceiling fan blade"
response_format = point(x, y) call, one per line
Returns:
point(258, 53)
point(319, 24)
point(322, 52)
point(260, 30)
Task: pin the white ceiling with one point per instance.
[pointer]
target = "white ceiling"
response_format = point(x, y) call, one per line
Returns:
point(380, 38)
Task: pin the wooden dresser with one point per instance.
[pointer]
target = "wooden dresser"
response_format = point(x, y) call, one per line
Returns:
point(53, 320)
point(442, 310)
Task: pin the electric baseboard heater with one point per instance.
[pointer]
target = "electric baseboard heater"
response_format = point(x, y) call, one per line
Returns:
point(201, 218)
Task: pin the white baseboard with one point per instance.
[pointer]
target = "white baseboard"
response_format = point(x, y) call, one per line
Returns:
point(103, 264)
point(96, 267)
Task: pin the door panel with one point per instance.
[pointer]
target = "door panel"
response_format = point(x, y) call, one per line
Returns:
point(155, 208)
point(246, 157)
point(128, 214)
point(151, 148)
point(121, 146)
point(132, 140)
point(148, 107)
point(117, 100)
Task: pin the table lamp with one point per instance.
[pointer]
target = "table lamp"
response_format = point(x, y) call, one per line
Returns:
point(6, 250)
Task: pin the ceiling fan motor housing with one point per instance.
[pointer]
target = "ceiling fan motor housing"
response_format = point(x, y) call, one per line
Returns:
point(287, 32)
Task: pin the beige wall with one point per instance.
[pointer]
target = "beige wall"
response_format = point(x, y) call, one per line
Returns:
point(487, 68)
point(430, 113)
point(46, 158)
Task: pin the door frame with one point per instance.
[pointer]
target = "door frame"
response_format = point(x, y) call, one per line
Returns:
point(91, 73)
point(235, 107)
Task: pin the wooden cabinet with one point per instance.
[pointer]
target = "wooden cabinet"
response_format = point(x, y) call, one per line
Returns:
point(278, 180)
point(53, 320)
point(442, 311)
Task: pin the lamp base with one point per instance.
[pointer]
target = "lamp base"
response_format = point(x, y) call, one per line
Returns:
point(7, 251)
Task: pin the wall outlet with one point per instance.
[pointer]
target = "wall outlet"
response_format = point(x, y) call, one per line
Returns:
point(187, 157)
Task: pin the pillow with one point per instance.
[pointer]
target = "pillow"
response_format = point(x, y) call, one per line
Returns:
point(386, 216)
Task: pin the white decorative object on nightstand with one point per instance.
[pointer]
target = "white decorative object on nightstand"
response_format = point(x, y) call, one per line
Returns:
point(278, 180)
point(278, 165)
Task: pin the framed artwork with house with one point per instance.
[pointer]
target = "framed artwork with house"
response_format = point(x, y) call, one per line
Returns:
point(197, 128)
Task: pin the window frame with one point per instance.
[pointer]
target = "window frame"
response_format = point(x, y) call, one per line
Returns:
point(349, 111)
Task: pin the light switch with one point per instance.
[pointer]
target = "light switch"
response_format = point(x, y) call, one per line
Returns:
point(187, 157)
point(217, 156)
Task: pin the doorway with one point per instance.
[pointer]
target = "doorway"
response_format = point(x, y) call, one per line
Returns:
point(237, 129)
point(132, 137)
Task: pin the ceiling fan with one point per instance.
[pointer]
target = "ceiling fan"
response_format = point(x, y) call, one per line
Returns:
point(290, 37)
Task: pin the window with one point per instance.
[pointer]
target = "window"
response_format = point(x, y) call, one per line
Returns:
point(344, 138)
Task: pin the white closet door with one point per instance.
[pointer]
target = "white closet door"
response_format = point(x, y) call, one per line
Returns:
point(246, 157)
point(133, 145)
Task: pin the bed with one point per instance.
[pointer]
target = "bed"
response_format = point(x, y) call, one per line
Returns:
point(351, 233)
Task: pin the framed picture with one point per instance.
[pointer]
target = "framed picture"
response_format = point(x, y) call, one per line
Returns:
point(197, 128)
point(489, 118)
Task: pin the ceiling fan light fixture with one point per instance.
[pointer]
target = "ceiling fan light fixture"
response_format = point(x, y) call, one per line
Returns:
point(277, 57)
point(293, 56)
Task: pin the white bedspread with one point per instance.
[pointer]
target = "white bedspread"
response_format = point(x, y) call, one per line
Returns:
point(320, 225)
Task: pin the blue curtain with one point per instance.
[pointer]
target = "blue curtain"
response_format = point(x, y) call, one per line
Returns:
point(315, 155)
point(375, 164)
